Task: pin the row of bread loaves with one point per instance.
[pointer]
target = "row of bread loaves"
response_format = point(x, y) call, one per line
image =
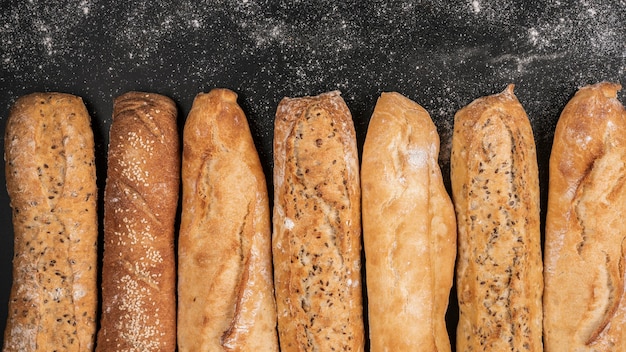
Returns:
point(225, 298)
point(235, 286)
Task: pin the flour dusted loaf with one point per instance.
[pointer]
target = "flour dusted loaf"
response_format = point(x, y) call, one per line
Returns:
point(225, 292)
point(51, 181)
point(140, 200)
point(584, 302)
point(495, 189)
point(317, 230)
point(409, 229)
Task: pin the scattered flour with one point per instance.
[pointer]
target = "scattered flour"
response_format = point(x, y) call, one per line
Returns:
point(304, 40)
point(417, 158)
point(475, 6)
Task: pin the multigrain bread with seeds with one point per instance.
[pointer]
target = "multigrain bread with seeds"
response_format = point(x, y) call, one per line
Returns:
point(409, 229)
point(140, 201)
point(317, 227)
point(585, 247)
point(51, 181)
point(495, 188)
point(225, 288)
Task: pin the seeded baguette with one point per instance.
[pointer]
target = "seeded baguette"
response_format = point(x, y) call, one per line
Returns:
point(495, 189)
point(409, 229)
point(226, 296)
point(317, 231)
point(584, 307)
point(51, 181)
point(140, 200)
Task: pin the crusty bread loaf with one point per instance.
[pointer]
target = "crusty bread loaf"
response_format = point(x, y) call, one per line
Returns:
point(51, 180)
point(495, 188)
point(584, 301)
point(140, 201)
point(226, 296)
point(317, 228)
point(409, 229)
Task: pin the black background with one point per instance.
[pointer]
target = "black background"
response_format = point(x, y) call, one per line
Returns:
point(441, 54)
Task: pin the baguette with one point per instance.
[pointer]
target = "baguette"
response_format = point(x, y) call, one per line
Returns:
point(409, 229)
point(495, 189)
point(140, 201)
point(226, 297)
point(317, 230)
point(51, 181)
point(584, 302)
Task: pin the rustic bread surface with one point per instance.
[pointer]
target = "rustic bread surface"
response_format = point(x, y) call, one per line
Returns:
point(51, 181)
point(584, 302)
point(409, 229)
point(317, 227)
point(225, 286)
point(140, 201)
point(495, 188)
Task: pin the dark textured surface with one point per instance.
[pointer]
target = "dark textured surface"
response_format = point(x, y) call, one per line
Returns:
point(442, 54)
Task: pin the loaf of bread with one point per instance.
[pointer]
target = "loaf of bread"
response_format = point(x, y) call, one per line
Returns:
point(317, 227)
point(585, 247)
point(140, 201)
point(495, 188)
point(409, 229)
point(225, 290)
point(51, 181)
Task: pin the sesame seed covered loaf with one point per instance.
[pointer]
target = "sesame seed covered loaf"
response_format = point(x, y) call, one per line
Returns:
point(495, 187)
point(51, 180)
point(585, 248)
point(141, 196)
point(225, 293)
point(317, 226)
point(409, 229)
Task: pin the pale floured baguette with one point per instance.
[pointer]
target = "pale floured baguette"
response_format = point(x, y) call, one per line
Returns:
point(51, 181)
point(140, 201)
point(317, 230)
point(226, 297)
point(409, 229)
point(495, 188)
point(584, 302)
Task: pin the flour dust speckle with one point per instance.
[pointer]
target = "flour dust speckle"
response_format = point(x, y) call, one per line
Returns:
point(475, 6)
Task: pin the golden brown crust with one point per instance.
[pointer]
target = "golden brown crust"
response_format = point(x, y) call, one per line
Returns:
point(141, 196)
point(317, 232)
point(226, 298)
point(584, 303)
point(51, 180)
point(496, 194)
point(409, 229)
